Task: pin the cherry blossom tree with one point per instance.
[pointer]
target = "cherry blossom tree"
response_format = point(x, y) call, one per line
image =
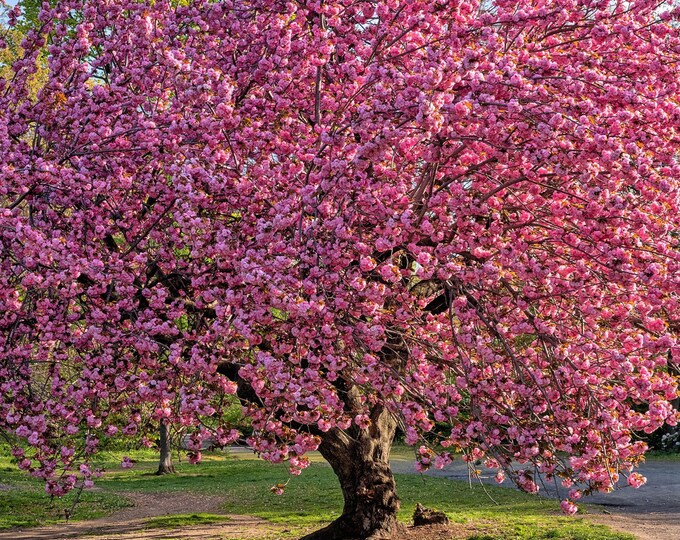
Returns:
point(355, 216)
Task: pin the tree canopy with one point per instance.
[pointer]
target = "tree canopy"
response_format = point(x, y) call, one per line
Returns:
point(462, 216)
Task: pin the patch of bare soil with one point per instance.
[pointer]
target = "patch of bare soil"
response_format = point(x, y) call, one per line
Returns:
point(451, 531)
point(651, 526)
point(130, 523)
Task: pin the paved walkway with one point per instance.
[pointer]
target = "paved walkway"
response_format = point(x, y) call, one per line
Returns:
point(661, 493)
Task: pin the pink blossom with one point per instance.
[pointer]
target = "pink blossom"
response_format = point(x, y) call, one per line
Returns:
point(362, 420)
point(366, 264)
point(635, 480)
point(568, 507)
point(575, 494)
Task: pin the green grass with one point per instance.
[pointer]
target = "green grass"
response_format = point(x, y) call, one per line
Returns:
point(184, 520)
point(660, 455)
point(24, 503)
point(309, 501)
point(314, 498)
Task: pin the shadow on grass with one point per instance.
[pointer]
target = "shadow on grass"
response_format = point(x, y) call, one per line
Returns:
point(184, 520)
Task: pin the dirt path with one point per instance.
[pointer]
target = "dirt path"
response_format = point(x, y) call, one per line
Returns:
point(657, 526)
point(130, 523)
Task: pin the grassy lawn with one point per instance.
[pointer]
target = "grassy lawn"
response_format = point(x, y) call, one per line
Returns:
point(309, 500)
point(659, 455)
point(23, 502)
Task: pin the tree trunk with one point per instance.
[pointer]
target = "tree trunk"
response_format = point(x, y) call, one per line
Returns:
point(360, 459)
point(165, 465)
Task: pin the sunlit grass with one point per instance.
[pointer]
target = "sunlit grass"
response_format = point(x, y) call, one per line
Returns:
point(24, 503)
point(309, 501)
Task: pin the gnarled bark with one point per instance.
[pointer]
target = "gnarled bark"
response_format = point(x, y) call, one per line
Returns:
point(360, 459)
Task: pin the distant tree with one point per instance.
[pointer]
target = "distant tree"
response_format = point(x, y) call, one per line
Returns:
point(350, 215)
point(11, 52)
point(165, 465)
